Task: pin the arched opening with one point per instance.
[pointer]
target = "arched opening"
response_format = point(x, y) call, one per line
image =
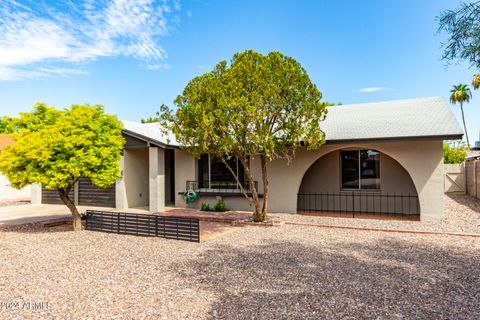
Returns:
point(358, 182)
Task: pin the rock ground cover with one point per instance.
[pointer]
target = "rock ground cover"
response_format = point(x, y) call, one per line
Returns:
point(280, 272)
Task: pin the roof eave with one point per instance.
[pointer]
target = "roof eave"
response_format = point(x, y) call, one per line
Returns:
point(397, 139)
point(149, 140)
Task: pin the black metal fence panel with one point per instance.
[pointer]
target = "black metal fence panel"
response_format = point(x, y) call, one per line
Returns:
point(148, 225)
point(355, 202)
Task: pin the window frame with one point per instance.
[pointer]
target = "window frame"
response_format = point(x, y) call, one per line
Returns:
point(359, 172)
point(210, 171)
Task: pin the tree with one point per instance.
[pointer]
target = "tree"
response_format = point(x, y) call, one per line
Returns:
point(261, 106)
point(463, 28)
point(476, 81)
point(58, 147)
point(454, 152)
point(154, 119)
point(460, 94)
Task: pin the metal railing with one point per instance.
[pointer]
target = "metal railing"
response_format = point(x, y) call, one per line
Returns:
point(359, 202)
point(149, 225)
point(218, 186)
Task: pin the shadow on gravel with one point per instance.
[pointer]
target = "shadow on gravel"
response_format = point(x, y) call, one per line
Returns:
point(465, 200)
point(381, 279)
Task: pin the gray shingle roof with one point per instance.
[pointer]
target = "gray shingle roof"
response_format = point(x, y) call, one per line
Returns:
point(150, 132)
point(425, 117)
point(414, 118)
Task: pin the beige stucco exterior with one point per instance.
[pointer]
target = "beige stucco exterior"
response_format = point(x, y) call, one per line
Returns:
point(421, 161)
point(136, 177)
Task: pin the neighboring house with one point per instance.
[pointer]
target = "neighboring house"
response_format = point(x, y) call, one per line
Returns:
point(6, 191)
point(382, 157)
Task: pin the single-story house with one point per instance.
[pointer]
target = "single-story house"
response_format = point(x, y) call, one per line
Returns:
point(384, 157)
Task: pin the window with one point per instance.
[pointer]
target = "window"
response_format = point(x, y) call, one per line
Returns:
point(360, 169)
point(212, 173)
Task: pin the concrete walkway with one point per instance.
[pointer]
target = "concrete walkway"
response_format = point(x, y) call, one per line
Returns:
point(31, 213)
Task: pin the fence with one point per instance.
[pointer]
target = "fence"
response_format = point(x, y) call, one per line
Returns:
point(178, 228)
point(359, 202)
point(454, 177)
point(472, 174)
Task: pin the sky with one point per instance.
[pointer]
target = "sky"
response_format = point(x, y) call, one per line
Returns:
point(132, 56)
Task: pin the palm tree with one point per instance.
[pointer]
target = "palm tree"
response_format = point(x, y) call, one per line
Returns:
point(476, 81)
point(460, 94)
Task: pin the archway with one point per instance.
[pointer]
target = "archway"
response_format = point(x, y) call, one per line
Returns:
point(379, 186)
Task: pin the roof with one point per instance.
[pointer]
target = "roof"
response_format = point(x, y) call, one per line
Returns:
point(150, 132)
point(5, 140)
point(390, 120)
point(399, 119)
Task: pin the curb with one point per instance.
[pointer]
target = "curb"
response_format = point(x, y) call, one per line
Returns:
point(459, 234)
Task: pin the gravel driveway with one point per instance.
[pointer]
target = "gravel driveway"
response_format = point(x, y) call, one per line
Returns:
point(284, 272)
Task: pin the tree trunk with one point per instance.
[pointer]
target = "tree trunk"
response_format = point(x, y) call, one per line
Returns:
point(258, 216)
point(265, 185)
point(76, 218)
point(464, 126)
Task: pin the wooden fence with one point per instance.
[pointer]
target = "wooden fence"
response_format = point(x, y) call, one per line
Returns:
point(454, 177)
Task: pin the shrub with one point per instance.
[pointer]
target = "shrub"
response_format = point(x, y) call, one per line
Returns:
point(205, 207)
point(454, 151)
point(220, 206)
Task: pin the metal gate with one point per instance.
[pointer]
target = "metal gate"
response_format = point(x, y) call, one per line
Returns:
point(51, 196)
point(89, 195)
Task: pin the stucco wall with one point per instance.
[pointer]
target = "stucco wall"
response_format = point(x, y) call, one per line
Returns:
point(136, 177)
point(423, 160)
point(184, 170)
point(325, 176)
point(7, 192)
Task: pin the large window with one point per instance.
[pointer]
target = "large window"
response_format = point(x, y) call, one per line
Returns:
point(360, 169)
point(212, 173)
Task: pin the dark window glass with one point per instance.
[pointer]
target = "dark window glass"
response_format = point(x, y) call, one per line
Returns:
point(219, 176)
point(203, 171)
point(360, 169)
point(350, 169)
point(369, 169)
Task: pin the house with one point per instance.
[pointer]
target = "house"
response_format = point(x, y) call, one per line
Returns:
point(6, 191)
point(384, 157)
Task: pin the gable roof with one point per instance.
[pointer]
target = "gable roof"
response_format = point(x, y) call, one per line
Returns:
point(425, 118)
point(398, 119)
point(150, 132)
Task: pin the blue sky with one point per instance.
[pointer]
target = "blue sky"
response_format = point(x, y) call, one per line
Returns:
point(132, 57)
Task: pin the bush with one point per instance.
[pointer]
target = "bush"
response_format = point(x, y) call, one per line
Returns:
point(205, 207)
point(220, 206)
point(454, 151)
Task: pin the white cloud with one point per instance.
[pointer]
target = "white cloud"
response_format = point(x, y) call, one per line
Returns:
point(33, 36)
point(372, 89)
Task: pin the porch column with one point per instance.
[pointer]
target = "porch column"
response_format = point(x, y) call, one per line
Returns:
point(36, 190)
point(120, 191)
point(156, 169)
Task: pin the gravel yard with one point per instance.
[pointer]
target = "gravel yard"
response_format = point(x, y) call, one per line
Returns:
point(461, 214)
point(279, 272)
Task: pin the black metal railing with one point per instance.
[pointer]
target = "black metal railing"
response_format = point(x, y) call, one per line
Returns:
point(218, 186)
point(149, 225)
point(359, 202)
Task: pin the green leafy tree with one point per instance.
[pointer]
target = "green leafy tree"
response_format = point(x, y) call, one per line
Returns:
point(7, 125)
point(154, 119)
point(58, 147)
point(454, 152)
point(261, 106)
point(463, 28)
point(460, 94)
point(476, 81)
